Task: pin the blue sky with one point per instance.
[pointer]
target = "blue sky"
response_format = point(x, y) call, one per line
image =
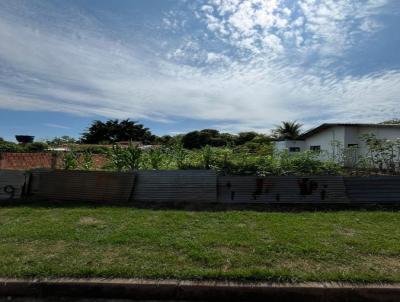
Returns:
point(179, 65)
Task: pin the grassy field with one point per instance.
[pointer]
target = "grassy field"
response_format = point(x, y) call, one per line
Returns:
point(127, 242)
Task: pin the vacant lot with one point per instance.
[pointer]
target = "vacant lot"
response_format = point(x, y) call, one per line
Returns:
point(128, 242)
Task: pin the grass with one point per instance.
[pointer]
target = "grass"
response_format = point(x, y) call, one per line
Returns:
point(110, 242)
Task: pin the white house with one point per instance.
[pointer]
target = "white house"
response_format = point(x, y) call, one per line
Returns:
point(325, 136)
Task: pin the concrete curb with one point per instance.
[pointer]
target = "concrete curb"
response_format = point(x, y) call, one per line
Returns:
point(198, 291)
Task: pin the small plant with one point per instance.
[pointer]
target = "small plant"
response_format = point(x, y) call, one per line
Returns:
point(207, 156)
point(70, 160)
point(87, 161)
point(117, 158)
point(155, 158)
point(383, 155)
point(179, 154)
point(132, 157)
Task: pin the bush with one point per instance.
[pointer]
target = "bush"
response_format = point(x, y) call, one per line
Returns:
point(35, 147)
point(10, 147)
point(31, 147)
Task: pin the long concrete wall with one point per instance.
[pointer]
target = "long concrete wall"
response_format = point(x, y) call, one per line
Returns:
point(195, 186)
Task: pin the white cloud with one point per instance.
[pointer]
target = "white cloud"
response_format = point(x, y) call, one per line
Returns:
point(51, 125)
point(47, 70)
point(326, 28)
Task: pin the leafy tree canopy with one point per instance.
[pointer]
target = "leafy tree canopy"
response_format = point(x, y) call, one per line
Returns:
point(113, 131)
point(287, 130)
point(210, 137)
point(63, 140)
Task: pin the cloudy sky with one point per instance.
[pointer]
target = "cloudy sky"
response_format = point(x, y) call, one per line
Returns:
point(179, 65)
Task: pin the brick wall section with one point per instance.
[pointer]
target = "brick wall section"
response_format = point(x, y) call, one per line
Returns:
point(26, 161)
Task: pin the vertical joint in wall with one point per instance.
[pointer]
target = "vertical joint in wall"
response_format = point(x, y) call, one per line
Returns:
point(54, 157)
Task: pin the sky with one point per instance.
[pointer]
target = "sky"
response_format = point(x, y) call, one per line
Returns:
point(180, 65)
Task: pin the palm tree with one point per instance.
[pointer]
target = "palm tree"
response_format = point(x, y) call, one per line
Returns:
point(288, 130)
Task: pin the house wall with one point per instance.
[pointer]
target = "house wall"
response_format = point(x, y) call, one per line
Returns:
point(344, 135)
point(286, 145)
point(381, 133)
point(325, 138)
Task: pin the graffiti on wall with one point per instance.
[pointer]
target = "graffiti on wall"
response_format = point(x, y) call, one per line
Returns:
point(12, 184)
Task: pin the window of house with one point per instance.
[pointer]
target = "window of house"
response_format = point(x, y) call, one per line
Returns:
point(315, 148)
point(294, 149)
point(352, 145)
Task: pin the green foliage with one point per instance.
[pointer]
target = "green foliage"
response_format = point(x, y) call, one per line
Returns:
point(63, 140)
point(179, 154)
point(30, 147)
point(155, 158)
point(125, 159)
point(92, 149)
point(117, 158)
point(113, 131)
point(133, 155)
point(35, 147)
point(70, 160)
point(288, 130)
point(10, 147)
point(206, 137)
point(383, 155)
point(126, 242)
point(207, 156)
point(87, 161)
point(244, 137)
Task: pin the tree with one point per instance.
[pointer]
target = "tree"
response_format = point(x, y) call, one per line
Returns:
point(113, 131)
point(288, 130)
point(244, 137)
point(63, 140)
point(210, 137)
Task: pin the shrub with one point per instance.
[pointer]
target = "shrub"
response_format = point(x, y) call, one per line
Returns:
point(87, 161)
point(70, 160)
point(31, 147)
point(116, 158)
point(155, 158)
point(35, 147)
point(10, 147)
point(132, 157)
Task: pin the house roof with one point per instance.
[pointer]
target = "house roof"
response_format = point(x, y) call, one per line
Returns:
point(329, 125)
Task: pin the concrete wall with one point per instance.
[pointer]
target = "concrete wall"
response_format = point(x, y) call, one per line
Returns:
point(194, 187)
point(84, 186)
point(13, 184)
point(176, 186)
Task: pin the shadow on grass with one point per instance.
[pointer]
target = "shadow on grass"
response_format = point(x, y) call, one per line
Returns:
point(208, 207)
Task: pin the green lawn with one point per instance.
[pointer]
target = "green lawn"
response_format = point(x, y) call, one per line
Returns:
point(129, 242)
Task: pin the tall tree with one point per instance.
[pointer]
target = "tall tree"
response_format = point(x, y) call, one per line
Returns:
point(288, 130)
point(211, 137)
point(113, 131)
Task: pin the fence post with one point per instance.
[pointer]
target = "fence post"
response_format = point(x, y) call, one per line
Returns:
point(54, 157)
point(1, 159)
